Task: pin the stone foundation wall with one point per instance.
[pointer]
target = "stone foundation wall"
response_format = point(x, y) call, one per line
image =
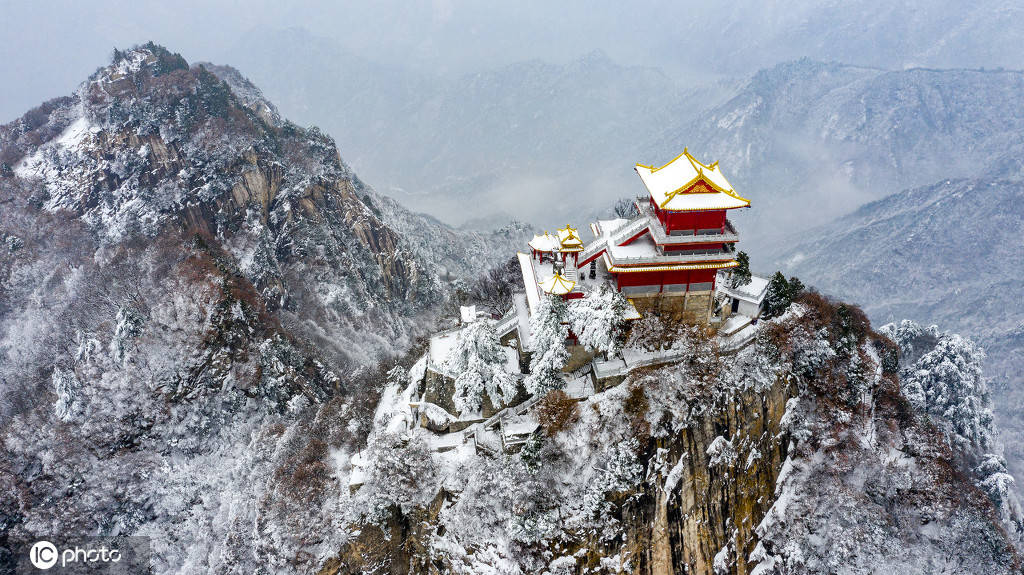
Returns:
point(691, 307)
point(578, 357)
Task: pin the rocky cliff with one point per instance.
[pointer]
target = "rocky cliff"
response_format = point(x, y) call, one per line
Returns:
point(800, 454)
point(194, 294)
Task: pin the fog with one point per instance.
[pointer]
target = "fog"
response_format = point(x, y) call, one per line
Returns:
point(46, 48)
point(479, 112)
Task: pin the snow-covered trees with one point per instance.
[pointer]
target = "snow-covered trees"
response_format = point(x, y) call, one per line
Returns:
point(942, 376)
point(625, 208)
point(999, 485)
point(598, 319)
point(947, 381)
point(547, 338)
point(781, 293)
point(400, 473)
point(740, 275)
point(477, 364)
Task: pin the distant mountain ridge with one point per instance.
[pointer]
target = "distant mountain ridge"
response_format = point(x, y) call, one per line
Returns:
point(509, 139)
point(498, 142)
point(808, 141)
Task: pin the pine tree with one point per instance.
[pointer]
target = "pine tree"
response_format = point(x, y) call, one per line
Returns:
point(741, 273)
point(477, 362)
point(947, 382)
point(776, 300)
point(547, 338)
point(781, 293)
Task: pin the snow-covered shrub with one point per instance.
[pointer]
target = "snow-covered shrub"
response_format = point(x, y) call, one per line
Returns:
point(477, 364)
point(648, 333)
point(129, 322)
point(635, 406)
point(69, 395)
point(620, 472)
point(623, 470)
point(912, 338)
point(562, 566)
point(547, 338)
point(400, 473)
point(721, 452)
point(598, 320)
point(999, 485)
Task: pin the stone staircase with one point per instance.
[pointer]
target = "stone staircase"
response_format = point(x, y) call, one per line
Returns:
point(595, 248)
point(629, 230)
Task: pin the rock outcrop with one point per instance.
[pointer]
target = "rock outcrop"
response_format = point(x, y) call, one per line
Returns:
point(800, 454)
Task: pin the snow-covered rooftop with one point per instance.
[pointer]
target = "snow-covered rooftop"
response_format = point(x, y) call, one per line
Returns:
point(669, 185)
point(529, 281)
point(441, 344)
point(569, 238)
point(557, 285)
point(753, 292)
point(607, 227)
point(545, 243)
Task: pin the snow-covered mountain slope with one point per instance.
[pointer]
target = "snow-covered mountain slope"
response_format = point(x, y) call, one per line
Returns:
point(194, 293)
point(949, 253)
point(808, 141)
point(814, 450)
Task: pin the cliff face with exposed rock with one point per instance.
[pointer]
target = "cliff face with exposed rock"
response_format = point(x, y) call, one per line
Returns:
point(194, 295)
point(800, 454)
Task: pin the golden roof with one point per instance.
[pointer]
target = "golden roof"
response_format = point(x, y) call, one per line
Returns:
point(566, 239)
point(569, 237)
point(557, 285)
point(674, 186)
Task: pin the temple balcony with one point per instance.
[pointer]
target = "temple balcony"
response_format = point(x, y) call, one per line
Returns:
point(690, 236)
point(644, 251)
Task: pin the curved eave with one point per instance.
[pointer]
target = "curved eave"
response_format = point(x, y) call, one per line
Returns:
point(557, 285)
point(670, 267)
point(704, 209)
point(706, 173)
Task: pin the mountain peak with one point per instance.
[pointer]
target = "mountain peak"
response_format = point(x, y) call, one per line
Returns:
point(151, 58)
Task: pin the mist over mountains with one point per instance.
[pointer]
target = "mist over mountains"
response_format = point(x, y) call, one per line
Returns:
point(809, 141)
point(507, 142)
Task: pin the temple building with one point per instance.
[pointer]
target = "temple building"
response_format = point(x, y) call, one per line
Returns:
point(667, 257)
point(675, 256)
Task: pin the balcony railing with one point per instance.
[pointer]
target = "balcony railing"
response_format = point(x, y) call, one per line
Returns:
point(696, 237)
point(668, 258)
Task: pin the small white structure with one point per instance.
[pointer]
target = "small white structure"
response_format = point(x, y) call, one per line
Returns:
point(468, 313)
point(747, 300)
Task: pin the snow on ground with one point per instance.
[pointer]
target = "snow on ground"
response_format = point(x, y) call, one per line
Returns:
point(41, 164)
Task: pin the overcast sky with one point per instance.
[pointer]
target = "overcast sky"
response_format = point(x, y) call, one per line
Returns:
point(47, 48)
